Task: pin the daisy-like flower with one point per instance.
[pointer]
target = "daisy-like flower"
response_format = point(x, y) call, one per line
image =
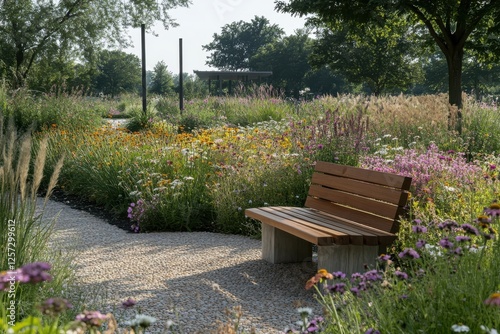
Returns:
point(493, 299)
point(460, 328)
point(305, 311)
point(488, 330)
point(141, 320)
point(320, 277)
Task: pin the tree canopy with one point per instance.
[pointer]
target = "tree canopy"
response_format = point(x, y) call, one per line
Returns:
point(162, 81)
point(31, 30)
point(239, 41)
point(118, 72)
point(452, 25)
point(380, 57)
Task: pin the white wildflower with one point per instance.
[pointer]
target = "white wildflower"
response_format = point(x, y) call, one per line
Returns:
point(460, 328)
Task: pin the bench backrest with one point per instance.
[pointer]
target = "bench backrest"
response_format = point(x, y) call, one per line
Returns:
point(367, 197)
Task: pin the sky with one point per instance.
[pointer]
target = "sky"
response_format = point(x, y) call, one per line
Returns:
point(197, 25)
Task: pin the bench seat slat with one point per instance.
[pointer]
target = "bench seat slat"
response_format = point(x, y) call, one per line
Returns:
point(342, 235)
point(312, 235)
point(384, 238)
point(365, 218)
point(365, 189)
point(386, 179)
point(361, 203)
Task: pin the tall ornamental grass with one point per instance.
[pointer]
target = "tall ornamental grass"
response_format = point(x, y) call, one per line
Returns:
point(68, 110)
point(24, 233)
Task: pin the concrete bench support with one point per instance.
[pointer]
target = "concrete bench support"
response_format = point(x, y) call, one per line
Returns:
point(281, 247)
point(347, 258)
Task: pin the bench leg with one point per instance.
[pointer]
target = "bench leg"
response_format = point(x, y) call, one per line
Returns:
point(347, 258)
point(282, 247)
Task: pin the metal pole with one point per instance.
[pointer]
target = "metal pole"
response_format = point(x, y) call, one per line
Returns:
point(143, 40)
point(181, 79)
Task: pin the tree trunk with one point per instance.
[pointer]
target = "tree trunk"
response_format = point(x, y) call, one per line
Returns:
point(455, 60)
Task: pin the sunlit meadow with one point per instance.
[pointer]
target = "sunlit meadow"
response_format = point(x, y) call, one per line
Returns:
point(199, 171)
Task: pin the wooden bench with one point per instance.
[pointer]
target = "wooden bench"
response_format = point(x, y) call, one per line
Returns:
point(351, 214)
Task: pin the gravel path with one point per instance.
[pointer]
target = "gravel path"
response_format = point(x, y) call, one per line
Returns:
point(190, 278)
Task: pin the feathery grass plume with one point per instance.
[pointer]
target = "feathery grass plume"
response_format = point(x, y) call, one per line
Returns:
point(23, 166)
point(54, 177)
point(39, 166)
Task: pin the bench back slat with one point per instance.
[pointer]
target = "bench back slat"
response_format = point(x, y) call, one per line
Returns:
point(372, 198)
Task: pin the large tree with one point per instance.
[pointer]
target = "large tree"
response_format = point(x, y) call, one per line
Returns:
point(382, 58)
point(118, 72)
point(239, 41)
point(162, 81)
point(453, 25)
point(30, 28)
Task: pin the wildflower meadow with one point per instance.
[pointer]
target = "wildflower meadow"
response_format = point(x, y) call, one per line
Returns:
point(200, 169)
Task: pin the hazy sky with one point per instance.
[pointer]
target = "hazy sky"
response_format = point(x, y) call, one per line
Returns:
point(197, 24)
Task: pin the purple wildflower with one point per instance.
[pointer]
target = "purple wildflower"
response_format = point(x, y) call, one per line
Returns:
point(458, 251)
point(129, 303)
point(462, 238)
point(34, 272)
point(372, 331)
point(338, 275)
point(445, 243)
point(384, 257)
point(470, 229)
point(54, 306)
point(401, 275)
point(337, 288)
point(409, 253)
point(448, 225)
point(355, 291)
point(419, 229)
point(372, 275)
point(421, 243)
point(91, 318)
point(356, 276)
point(493, 210)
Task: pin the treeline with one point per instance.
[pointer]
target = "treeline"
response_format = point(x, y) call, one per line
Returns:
point(75, 46)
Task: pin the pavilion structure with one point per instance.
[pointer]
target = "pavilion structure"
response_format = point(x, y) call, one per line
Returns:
point(220, 76)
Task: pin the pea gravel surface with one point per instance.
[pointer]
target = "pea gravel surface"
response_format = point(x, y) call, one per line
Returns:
point(189, 278)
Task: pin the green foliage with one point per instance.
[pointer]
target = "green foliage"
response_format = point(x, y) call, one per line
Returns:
point(55, 109)
point(382, 58)
point(161, 81)
point(118, 72)
point(239, 41)
point(452, 26)
point(36, 30)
